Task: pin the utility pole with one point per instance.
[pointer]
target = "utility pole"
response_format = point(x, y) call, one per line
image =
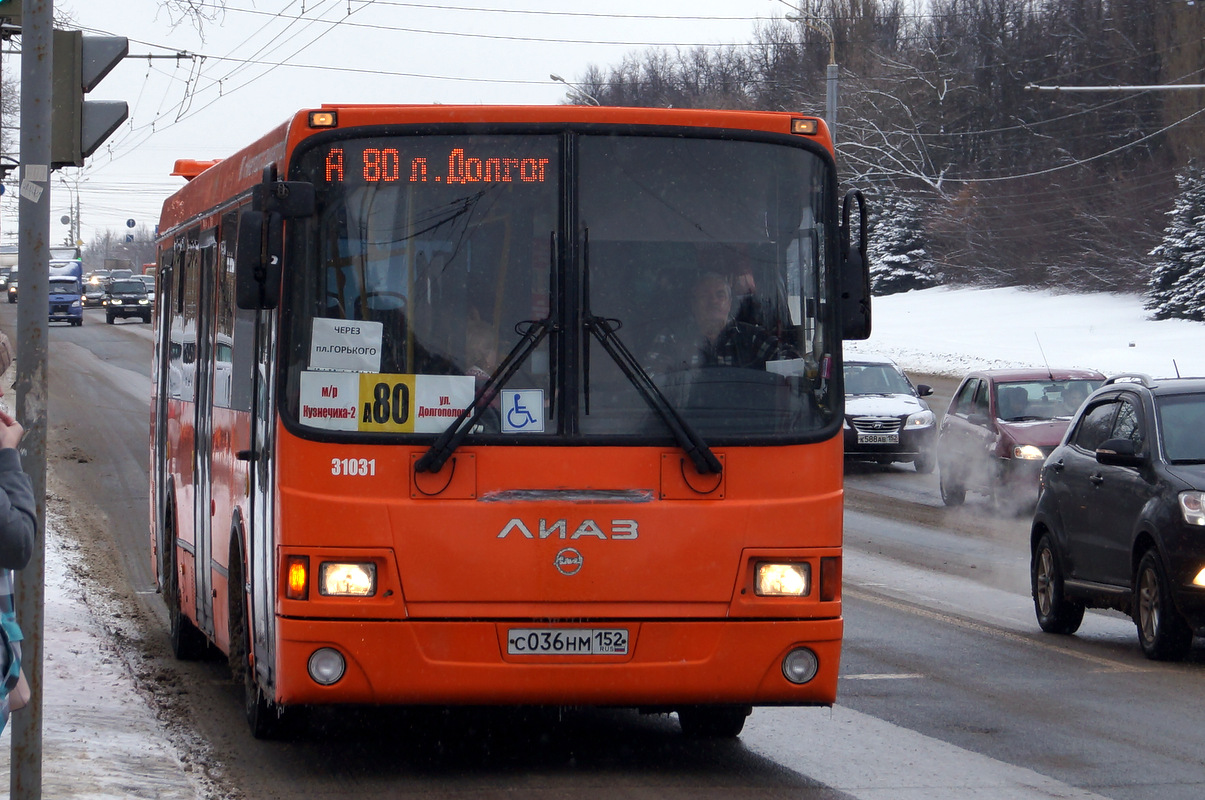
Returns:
point(830, 94)
point(33, 257)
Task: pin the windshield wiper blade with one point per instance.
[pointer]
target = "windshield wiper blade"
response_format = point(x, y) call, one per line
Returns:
point(604, 330)
point(439, 452)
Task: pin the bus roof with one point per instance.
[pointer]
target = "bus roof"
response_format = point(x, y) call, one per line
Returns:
point(211, 182)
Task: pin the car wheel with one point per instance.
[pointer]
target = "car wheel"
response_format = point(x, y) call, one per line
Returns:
point(924, 463)
point(1162, 632)
point(109, 318)
point(1056, 614)
point(952, 494)
point(712, 722)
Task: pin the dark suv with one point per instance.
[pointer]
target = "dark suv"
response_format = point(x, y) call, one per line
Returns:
point(1120, 521)
point(885, 418)
point(127, 297)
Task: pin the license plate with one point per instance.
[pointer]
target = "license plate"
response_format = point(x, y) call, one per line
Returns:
point(878, 438)
point(567, 641)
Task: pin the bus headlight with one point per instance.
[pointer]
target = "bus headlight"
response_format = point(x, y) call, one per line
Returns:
point(783, 580)
point(356, 579)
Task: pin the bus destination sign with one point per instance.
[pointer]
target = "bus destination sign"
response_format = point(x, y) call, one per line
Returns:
point(388, 165)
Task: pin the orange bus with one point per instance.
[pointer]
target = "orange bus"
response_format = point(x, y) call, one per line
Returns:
point(509, 405)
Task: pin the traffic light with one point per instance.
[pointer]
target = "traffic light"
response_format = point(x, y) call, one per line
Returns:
point(78, 126)
point(10, 11)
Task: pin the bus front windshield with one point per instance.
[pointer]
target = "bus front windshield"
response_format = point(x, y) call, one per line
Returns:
point(656, 279)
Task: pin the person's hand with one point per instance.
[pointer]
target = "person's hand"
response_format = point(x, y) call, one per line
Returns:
point(10, 431)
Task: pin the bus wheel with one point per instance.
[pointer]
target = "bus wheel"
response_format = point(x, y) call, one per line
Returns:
point(188, 643)
point(265, 719)
point(713, 722)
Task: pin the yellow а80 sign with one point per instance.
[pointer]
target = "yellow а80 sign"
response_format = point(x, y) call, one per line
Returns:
point(383, 403)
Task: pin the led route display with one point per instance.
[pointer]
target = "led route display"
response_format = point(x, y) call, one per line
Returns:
point(387, 165)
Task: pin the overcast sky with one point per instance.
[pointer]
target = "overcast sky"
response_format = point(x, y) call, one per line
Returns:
point(260, 61)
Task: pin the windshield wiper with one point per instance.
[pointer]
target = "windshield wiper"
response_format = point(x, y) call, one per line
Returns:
point(686, 436)
point(605, 330)
point(439, 452)
point(447, 442)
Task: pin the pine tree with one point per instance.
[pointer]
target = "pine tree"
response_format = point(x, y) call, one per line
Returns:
point(1176, 287)
point(899, 260)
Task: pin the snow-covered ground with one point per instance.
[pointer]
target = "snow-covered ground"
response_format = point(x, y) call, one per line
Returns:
point(948, 331)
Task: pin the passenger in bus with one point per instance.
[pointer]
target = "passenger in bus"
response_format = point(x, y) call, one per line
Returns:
point(717, 338)
point(481, 352)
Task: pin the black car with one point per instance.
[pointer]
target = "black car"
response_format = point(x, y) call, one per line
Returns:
point(127, 297)
point(885, 418)
point(1120, 520)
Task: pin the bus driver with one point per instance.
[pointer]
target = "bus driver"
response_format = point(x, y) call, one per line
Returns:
point(717, 339)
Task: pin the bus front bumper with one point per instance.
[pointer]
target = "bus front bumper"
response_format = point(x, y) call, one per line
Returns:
point(467, 663)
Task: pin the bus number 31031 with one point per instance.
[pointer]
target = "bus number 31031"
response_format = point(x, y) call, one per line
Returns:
point(354, 466)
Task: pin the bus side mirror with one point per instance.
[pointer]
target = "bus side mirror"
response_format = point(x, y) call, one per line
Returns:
point(289, 199)
point(257, 265)
point(854, 285)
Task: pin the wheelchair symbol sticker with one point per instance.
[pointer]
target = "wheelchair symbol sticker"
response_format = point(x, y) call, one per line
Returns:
point(522, 410)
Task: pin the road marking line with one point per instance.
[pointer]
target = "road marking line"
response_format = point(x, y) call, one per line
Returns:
point(869, 676)
point(1104, 663)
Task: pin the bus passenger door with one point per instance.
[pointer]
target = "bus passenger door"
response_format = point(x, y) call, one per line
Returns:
point(165, 393)
point(203, 426)
point(261, 536)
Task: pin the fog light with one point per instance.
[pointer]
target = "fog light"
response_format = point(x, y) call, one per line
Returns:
point(800, 665)
point(327, 666)
point(783, 580)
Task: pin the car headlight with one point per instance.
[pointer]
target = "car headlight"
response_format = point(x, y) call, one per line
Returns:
point(783, 580)
point(1028, 452)
point(144, 302)
point(347, 579)
point(921, 419)
point(75, 303)
point(1192, 507)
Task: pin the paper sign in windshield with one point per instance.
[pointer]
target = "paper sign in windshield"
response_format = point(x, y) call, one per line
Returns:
point(383, 403)
point(346, 345)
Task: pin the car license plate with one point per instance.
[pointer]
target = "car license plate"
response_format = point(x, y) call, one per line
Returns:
point(567, 641)
point(878, 438)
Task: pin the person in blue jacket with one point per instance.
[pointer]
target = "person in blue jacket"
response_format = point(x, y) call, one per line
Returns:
point(18, 525)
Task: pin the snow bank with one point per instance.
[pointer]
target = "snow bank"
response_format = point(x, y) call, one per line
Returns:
point(948, 331)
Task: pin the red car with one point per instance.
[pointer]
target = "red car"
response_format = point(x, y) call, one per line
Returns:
point(1001, 425)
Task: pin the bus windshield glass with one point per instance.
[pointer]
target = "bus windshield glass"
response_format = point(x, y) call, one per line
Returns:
point(679, 273)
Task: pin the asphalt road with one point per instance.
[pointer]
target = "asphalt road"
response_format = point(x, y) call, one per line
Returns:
point(948, 689)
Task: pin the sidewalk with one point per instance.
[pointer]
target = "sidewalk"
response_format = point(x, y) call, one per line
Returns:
point(99, 738)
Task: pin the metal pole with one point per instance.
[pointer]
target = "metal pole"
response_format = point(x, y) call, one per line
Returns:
point(33, 257)
point(830, 102)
